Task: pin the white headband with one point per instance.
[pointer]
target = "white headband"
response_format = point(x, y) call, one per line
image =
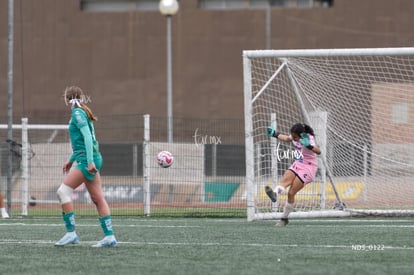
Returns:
point(75, 101)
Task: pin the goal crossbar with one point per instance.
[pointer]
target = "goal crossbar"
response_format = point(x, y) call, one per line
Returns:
point(402, 51)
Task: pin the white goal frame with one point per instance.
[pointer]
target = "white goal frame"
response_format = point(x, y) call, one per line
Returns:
point(249, 98)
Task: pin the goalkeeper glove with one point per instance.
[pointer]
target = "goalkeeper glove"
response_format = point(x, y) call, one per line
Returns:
point(305, 141)
point(271, 132)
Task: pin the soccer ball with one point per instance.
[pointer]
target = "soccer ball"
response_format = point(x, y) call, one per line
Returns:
point(165, 159)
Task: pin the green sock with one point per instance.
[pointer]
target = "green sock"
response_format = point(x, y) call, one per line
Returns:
point(69, 219)
point(106, 224)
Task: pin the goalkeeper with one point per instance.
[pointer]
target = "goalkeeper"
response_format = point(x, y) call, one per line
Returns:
point(303, 169)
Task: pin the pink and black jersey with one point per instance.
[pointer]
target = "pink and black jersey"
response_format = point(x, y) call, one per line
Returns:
point(304, 154)
point(305, 164)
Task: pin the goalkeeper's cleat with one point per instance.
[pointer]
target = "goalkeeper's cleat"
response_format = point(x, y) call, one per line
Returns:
point(283, 222)
point(69, 238)
point(270, 193)
point(108, 241)
point(5, 215)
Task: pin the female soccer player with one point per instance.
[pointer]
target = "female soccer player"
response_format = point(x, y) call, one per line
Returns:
point(89, 161)
point(303, 169)
point(4, 213)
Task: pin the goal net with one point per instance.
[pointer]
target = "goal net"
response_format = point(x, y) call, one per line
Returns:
point(360, 102)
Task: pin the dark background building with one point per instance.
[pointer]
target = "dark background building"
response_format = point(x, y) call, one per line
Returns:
point(119, 57)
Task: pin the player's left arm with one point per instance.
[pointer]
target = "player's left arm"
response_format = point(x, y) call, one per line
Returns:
point(87, 138)
point(81, 121)
point(309, 142)
point(316, 149)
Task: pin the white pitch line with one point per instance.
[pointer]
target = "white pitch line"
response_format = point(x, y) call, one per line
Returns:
point(120, 243)
point(359, 220)
point(362, 225)
point(161, 224)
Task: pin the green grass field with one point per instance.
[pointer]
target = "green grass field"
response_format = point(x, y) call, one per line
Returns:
point(211, 246)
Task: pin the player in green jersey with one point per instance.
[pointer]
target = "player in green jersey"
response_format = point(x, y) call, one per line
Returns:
point(89, 162)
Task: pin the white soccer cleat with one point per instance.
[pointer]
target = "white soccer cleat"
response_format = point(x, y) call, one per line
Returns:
point(5, 215)
point(108, 241)
point(69, 238)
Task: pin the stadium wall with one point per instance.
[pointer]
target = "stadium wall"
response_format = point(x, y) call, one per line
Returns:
point(119, 58)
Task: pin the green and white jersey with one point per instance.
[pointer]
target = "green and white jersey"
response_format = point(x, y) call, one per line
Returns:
point(82, 136)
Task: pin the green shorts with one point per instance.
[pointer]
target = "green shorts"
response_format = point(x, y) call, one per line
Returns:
point(83, 165)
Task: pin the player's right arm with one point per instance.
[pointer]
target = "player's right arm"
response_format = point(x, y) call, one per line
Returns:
point(271, 132)
point(283, 137)
point(66, 167)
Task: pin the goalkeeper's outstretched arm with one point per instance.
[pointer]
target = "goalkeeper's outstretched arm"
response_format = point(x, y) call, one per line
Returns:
point(299, 136)
point(283, 137)
point(271, 132)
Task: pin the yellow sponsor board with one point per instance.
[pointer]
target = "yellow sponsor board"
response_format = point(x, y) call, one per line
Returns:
point(347, 190)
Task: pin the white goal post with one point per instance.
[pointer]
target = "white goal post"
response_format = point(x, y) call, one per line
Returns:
point(360, 102)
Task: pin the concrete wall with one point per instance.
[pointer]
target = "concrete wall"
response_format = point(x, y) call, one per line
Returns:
point(119, 59)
